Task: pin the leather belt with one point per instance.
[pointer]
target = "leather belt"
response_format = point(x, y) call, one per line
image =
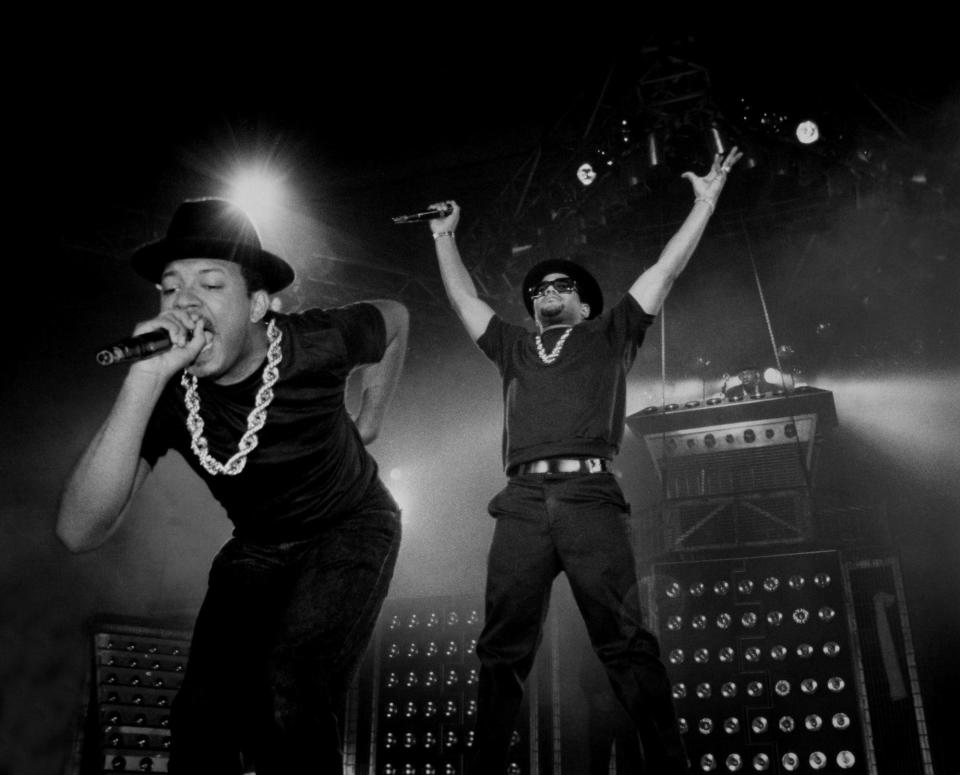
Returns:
point(561, 465)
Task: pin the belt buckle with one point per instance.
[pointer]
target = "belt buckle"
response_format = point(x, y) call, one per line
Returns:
point(594, 465)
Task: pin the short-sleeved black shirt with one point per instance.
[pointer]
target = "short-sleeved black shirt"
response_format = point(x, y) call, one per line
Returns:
point(576, 405)
point(310, 464)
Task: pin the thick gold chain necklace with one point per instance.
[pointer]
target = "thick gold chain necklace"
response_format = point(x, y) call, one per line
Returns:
point(255, 420)
point(555, 352)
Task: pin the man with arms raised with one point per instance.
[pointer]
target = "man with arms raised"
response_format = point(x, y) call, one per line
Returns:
point(254, 400)
point(564, 389)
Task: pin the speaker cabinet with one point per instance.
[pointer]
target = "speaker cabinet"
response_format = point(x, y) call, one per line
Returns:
point(419, 684)
point(135, 672)
point(760, 653)
point(791, 663)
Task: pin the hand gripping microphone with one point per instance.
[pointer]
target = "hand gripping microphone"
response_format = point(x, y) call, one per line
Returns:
point(134, 348)
point(440, 212)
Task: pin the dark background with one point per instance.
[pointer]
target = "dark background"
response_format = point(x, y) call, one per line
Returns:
point(854, 240)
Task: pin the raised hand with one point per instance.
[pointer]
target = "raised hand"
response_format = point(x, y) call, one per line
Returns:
point(449, 223)
point(708, 187)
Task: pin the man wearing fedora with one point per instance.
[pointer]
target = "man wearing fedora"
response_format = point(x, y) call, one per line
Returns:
point(254, 401)
point(564, 393)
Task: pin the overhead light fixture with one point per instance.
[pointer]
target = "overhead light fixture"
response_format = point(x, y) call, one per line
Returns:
point(653, 150)
point(716, 141)
point(586, 174)
point(259, 192)
point(808, 132)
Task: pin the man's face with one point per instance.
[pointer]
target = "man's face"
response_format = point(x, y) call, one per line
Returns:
point(554, 307)
point(214, 291)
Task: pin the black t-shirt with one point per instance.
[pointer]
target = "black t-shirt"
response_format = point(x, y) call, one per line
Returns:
point(576, 405)
point(310, 464)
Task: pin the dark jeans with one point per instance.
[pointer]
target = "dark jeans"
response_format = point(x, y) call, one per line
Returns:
point(277, 641)
point(576, 523)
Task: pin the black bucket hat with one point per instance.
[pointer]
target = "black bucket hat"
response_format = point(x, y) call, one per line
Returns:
point(212, 228)
point(587, 286)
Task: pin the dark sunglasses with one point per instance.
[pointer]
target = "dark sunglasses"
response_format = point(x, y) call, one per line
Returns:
point(560, 285)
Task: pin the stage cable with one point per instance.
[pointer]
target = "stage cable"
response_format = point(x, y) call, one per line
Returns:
point(776, 353)
point(763, 300)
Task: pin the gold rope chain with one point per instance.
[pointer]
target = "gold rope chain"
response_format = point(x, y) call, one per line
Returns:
point(555, 352)
point(255, 420)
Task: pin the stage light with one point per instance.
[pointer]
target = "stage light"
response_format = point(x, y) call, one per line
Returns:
point(716, 141)
point(808, 132)
point(778, 378)
point(259, 193)
point(586, 174)
point(653, 150)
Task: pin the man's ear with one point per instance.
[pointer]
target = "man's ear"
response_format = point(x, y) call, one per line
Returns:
point(259, 304)
point(585, 309)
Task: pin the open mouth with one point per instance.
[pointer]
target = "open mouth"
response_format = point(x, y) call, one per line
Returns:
point(208, 335)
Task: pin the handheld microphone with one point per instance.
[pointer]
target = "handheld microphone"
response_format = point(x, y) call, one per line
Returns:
point(440, 212)
point(135, 347)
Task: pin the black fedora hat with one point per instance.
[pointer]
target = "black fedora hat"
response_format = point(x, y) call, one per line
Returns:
point(212, 228)
point(587, 286)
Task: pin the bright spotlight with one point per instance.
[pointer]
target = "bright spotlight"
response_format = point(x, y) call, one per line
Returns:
point(808, 132)
point(778, 379)
point(586, 174)
point(653, 150)
point(716, 141)
point(258, 193)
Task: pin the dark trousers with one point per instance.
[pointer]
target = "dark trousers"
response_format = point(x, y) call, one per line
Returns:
point(277, 641)
point(576, 524)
